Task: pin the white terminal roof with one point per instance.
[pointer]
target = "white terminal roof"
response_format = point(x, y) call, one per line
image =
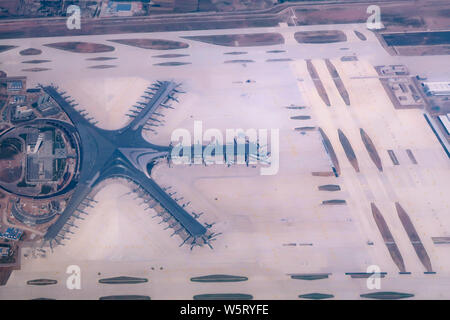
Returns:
point(437, 86)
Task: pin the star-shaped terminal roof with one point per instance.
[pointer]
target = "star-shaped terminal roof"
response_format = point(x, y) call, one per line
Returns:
point(124, 153)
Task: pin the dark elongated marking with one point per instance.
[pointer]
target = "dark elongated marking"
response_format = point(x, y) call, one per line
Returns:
point(330, 150)
point(386, 295)
point(334, 201)
point(123, 280)
point(393, 157)
point(370, 147)
point(349, 152)
point(219, 278)
point(316, 296)
point(330, 187)
point(41, 282)
point(310, 276)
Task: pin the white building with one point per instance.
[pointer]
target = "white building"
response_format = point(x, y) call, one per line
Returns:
point(445, 120)
point(437, 88)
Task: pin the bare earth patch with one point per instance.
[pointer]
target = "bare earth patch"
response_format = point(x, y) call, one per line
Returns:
point(81, 47)
point(433, 50)
point(10, 161)
point(241, 40)
point(326, 36)
point(417, 38)
point(10, 175)
point(154, 44)
point(30, 52)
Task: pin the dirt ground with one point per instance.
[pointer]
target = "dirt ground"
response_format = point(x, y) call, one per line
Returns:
point(10, 175)
point(27, 29)
point(81, 47)
point(155, 44)
point(417, 38)
point(401, 16)
point(242, 40)
point(10, 163)
point(233, 5)
point(328, 36)
point(435, 50)
point(30, 52)
point(11, 7)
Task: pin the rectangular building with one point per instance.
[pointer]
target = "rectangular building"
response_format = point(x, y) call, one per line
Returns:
point(4, 250)
point(22, 113)
point(40, 158)
point(11, 234)
point(445, 120)
point(47, 106)
point(437, 88)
